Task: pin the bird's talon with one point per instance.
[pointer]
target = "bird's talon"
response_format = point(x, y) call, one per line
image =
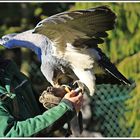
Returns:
point(66, 87)
point(49, 89)
point(78, 85)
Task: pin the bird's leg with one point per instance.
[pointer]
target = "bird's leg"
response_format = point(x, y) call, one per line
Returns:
point(79, 86)
point(66, 87)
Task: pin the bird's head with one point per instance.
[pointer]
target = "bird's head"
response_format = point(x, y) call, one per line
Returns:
point(7, 39)
point(24, 40)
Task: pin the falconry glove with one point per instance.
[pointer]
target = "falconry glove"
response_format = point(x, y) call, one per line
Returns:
point(52, 97)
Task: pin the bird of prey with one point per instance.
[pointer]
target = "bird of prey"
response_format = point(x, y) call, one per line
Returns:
point(67, 46)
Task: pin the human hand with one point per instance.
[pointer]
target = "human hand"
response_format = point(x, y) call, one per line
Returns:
point(76, 99)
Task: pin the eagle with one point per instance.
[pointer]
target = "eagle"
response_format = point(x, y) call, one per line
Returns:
point(67, 45)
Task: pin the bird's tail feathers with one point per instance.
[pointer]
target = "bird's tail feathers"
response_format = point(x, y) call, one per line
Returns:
point(115, 73)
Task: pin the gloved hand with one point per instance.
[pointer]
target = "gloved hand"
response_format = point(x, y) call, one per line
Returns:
point(52, 96)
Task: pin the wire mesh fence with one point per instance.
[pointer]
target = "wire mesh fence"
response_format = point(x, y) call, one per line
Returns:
point(109, 108)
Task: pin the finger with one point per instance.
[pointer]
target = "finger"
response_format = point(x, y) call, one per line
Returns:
point(78, 90)
point(80, 95)
point(79, 100)
point(72, 93)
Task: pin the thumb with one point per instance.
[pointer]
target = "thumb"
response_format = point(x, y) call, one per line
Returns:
point(80, 95)
point(72, 93)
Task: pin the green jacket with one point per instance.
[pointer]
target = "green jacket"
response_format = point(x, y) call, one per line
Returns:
point(20, 114)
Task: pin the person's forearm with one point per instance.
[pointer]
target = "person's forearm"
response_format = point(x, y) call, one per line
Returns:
point(49, 120)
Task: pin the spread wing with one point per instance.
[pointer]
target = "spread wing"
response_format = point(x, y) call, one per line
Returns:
point(70, 27)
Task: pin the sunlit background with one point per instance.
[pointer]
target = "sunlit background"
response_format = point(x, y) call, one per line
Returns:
point(115, 108)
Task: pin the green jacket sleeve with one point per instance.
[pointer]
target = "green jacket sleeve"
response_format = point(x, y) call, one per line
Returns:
point(49, 121)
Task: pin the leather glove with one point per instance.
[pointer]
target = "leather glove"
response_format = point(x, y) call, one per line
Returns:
point(52, 96)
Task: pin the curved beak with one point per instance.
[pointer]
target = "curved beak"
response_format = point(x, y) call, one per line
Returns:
point(1, 41)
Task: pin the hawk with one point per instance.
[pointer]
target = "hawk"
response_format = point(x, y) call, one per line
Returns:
point(67, 46)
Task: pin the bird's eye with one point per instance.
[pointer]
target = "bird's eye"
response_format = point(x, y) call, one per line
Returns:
point(6, 39)
point(39, 24)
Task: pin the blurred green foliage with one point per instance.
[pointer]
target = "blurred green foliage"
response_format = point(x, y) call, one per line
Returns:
point(122, 45)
